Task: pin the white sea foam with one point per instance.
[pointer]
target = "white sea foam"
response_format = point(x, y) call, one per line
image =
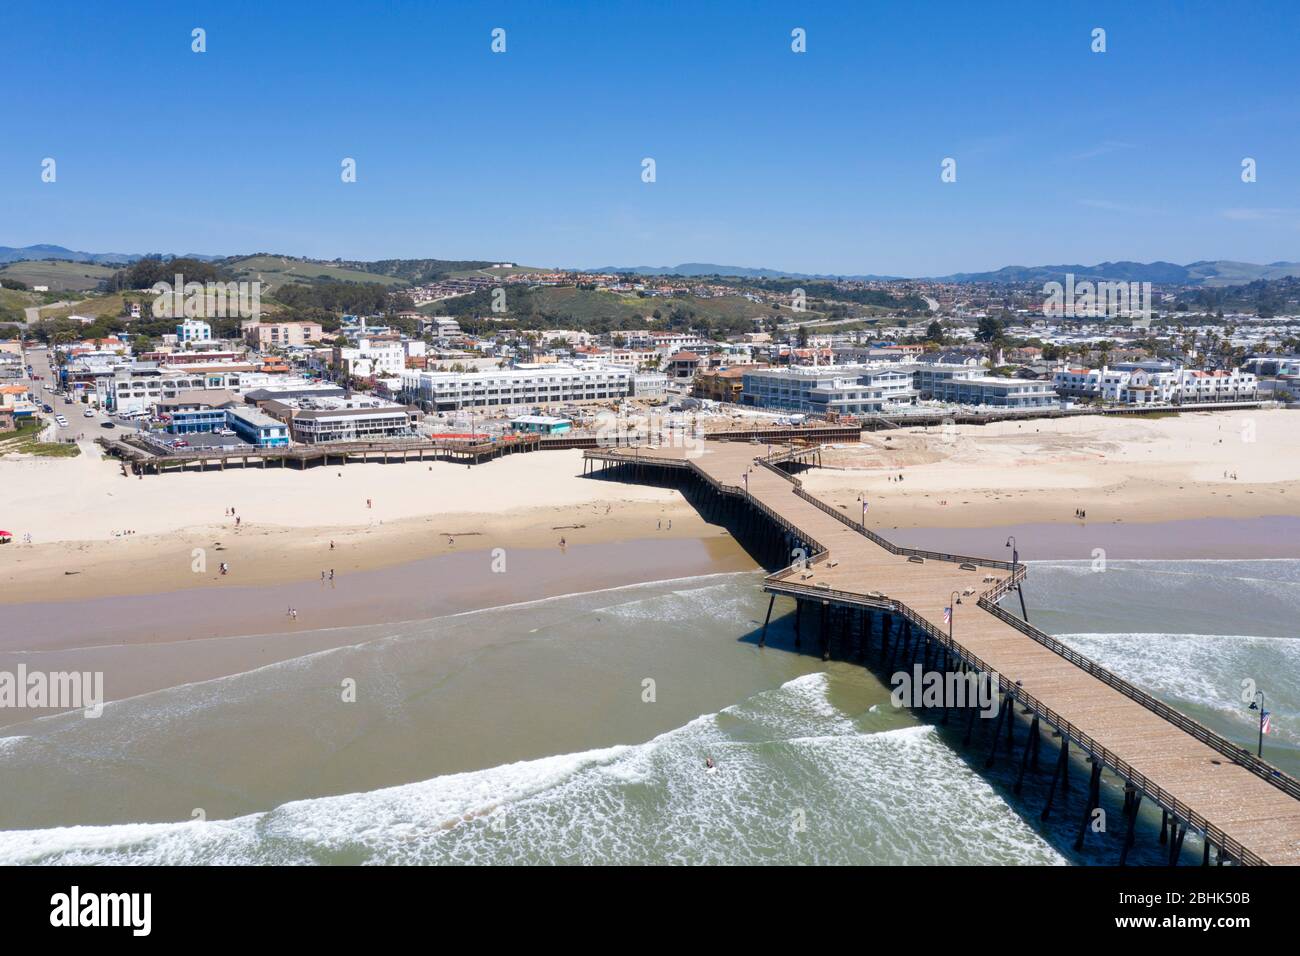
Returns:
point(797, 786)
point(1204, 670)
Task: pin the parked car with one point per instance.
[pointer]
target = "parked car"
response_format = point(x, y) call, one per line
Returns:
point(107, 425)
point(60, 421)
point(89, 413)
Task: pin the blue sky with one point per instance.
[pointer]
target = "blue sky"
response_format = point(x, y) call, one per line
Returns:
point(826, 161)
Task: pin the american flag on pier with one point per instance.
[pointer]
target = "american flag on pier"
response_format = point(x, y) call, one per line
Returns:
point(947, 615)
point(1265, 721)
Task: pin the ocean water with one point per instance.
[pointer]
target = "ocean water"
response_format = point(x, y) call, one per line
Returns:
point(574, 730)
point(1196, 634)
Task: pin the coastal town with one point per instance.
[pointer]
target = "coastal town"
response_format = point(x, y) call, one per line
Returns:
point(401, 376)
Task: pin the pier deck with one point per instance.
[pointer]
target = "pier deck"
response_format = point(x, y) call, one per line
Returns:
point(1243, 806)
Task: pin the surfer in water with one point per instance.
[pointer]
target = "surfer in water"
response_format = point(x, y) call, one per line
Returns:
point(709, 764)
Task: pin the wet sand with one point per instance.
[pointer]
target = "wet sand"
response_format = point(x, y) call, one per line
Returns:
point(147, 642)
point(1195, 538)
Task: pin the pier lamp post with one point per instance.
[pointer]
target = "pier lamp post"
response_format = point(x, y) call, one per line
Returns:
point(1015, 560)
point(953, 600)
point(1258, 704)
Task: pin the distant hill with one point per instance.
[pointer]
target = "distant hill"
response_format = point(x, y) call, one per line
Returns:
point(58, 274)
point(45, 251)
point(274, 271)
point(597, 310)
point(1212, 273)
point(1209, 273)
point(29, 253)
point(695, 269)
point(1219, 272)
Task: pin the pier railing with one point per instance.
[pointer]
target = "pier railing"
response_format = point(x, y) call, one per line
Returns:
point(1235, 752)
point(987, 601)
point(892, 548)
point(1097, 751)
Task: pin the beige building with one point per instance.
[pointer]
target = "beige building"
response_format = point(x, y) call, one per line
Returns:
point(262, 335)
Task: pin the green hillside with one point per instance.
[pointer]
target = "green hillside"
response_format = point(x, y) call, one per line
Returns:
point(599, 310)
point(57, 274)
point(275, 271)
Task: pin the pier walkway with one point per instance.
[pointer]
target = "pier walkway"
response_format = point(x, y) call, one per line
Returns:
point(1246, 809)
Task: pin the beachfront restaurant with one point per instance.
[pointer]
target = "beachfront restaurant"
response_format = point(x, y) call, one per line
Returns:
point(197, 411)
point(257, 428)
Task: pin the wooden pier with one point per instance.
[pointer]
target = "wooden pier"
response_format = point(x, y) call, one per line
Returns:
point(146, 458)
point(874, 596)
point(155, 458)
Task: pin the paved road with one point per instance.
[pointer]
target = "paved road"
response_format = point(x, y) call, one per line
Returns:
point(33, 312)
point(88, 428)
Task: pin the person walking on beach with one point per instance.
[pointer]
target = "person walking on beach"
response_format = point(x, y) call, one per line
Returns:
point(331, 545)
point(562, 544)
point(322, 577)
point(331, 574)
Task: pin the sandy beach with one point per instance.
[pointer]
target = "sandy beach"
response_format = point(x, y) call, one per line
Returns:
point(1118, 470)
point(78, 510)
point(1195, 465)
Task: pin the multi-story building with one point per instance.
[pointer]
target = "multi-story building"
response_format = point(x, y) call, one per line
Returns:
point(439, 326)
point(209, 410)
point(370, 358)
point(18, 400)
point(263, 335)
point(312, 421)
point(196, 411)
point(256, 427)
point(138, 386)
point(649, 385)
point(193, 330)
point(722, 385)
point(682, 366)
point(1155, 383)
point(843, 389)
point(1274, 365)
point(523, 385)
point(668, 342)
point(962, 385)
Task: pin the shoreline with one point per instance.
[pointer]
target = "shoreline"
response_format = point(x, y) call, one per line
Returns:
point(1224, 466)
point(149, 642)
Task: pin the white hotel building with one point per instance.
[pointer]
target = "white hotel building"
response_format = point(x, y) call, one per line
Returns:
point(523, 385)
point(1156, 383)
point(846, 389)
